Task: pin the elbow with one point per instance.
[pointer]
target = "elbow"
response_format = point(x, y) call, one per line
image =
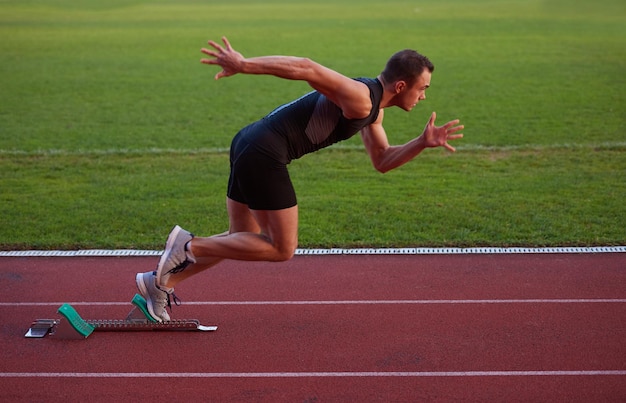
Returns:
point(379, 162)
point(306, 62)
point(381, 168)
point(380, 156)
point(307, 66)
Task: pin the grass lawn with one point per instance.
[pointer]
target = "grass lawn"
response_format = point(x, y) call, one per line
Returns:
point(111, 131)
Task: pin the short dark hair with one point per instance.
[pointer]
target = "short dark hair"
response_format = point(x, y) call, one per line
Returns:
point(406, 65)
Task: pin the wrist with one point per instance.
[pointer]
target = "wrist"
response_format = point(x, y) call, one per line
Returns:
point(243, 66)
point(420, 143)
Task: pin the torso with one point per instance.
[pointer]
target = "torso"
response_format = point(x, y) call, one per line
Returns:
point(308, 124)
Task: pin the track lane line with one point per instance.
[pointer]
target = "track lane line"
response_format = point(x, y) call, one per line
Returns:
point(307, 374)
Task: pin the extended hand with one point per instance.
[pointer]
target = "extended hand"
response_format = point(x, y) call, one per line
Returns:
point(229, 59)
point(438, 136)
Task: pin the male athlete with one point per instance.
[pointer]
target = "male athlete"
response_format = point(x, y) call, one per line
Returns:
point(261, 203)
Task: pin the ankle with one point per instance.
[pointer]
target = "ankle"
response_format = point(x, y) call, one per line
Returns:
point(189, 250)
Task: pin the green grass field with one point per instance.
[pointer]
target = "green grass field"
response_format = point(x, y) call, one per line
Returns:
point(111, 131)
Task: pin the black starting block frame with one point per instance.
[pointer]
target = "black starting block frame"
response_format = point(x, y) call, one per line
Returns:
point(72, 326)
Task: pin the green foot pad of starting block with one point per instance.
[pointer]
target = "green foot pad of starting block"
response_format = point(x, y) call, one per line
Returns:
point(83, 328)
point(141, 304)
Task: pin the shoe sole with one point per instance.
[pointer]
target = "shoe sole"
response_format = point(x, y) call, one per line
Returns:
point(143, 290)
point(166, 254)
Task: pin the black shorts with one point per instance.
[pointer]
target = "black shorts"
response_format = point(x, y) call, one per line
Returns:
point(258, 180)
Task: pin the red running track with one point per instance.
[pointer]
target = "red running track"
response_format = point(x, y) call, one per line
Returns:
point(435, 328)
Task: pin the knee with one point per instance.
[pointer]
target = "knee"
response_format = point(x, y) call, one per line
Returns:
point(285, 252)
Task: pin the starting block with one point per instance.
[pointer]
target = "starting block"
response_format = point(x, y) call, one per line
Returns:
point(72, 326)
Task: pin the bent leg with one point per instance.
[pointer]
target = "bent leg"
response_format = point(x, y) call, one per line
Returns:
point(273, 238)
point(254, 235)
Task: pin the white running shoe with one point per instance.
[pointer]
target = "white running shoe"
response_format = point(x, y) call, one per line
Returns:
point(156, 299)
point(176, 257)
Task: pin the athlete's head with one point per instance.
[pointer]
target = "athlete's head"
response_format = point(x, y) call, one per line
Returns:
point(406, 65)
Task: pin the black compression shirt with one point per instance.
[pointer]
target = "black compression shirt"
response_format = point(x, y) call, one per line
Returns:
point(308, 124)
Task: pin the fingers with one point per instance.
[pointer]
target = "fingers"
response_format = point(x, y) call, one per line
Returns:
point(452, 123)
point(452, 127)
point(209, 52)
point(219, 51)
point(208, 61)
point(451, 130)
point(447, 132)
point(226, 43)
point(451, 137)
point(217, 46)
point(447, 146)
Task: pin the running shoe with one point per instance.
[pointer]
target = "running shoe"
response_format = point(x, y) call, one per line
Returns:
point(156, 298)
point(176, 257)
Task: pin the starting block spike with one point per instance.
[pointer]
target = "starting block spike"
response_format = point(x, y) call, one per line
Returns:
point(74, 326)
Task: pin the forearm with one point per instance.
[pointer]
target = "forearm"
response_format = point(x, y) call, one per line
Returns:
point(393, 157)
point(233, 62)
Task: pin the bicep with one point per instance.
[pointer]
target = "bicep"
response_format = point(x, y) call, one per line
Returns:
point(375, 140)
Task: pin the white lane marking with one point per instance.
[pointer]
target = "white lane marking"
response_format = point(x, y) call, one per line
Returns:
point(305, 374)
point(348, 147)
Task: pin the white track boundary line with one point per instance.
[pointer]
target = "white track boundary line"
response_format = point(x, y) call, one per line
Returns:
point(335, 147)
point(333, 251)
point(305, 374)
point(345, 302)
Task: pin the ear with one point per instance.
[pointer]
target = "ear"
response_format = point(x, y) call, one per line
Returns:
point(400, 86)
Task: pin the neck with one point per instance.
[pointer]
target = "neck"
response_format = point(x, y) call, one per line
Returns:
point(388, 94)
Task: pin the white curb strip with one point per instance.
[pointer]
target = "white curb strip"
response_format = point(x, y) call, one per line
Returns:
point(335, 251)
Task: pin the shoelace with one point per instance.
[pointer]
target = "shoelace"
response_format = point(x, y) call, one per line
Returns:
point(176, 300)
point(174, 297)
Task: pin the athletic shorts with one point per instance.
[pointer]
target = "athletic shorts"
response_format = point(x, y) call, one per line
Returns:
point(258, 180)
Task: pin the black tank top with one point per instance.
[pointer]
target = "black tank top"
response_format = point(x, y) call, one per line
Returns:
point(308, 124)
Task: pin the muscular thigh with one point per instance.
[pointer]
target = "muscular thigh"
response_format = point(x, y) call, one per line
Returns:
point(241, 218)
point(259, 181)
point(279, 226)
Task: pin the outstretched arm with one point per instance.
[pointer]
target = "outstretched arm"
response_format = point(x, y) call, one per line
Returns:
point(385, 157)
point(350, 95)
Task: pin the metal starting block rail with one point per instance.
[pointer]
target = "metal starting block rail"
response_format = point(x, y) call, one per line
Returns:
point(72, 326)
